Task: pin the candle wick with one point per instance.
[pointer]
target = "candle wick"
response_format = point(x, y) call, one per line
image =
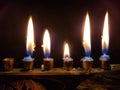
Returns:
point(66, 56)
point(29, 56)
point(104, 53)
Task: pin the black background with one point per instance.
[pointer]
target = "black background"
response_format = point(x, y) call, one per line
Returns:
point(64, 20)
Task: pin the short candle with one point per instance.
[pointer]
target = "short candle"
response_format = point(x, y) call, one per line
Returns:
point(67, 60)
point(8, 64)
point(47, 61)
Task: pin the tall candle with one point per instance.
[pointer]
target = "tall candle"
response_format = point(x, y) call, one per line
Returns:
point(48, 62)
point(87, 60)
point(105, 44)
point(28, 60)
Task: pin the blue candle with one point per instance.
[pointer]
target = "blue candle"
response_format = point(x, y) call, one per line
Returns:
point(28, 58)
point(104, 57)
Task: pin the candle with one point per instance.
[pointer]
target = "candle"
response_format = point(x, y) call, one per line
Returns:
point(47, 61)
point(28, 60)
point(67, 60)
point(104, 59)
point(87, 60)
point(8, 64)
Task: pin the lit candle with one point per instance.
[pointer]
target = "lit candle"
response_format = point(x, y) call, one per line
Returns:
point(67, 60)
point(105, 44)
point(87, 60)
point(48, 62)
point(29, 46)
point(46, 44)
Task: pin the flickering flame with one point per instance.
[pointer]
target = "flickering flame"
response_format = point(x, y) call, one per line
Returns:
point(46, 43)
point(66, 50)
point(86, 36)
point(105, 35)
point(30, 38)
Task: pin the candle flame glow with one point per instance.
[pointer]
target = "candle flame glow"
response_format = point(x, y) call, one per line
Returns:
point(30, 38)
point(66, 50)
point(46, 44)
point(86, 36)
point(105, 36)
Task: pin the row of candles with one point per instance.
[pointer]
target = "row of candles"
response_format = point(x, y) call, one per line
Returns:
point(66, 58)
point(68, 61)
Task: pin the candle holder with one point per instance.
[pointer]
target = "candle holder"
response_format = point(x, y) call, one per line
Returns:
point(68, 64)
point(105, 62)
point(48, 63)
point(87, 63)
point(28, 63)
point(8, 64)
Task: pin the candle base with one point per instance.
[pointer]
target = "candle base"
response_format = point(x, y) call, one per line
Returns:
point(67, 64)
point(105, 64)
point(48, 63)
point(28, 65)
point(8, 64)
point(87, 65)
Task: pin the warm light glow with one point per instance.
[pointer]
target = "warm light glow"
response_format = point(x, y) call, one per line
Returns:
point(46, 43)
point(86, 36)
point(105, 36)
point(66, 50)
point(30, 38)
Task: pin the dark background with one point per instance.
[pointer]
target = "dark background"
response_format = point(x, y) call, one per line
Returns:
point(64, 20)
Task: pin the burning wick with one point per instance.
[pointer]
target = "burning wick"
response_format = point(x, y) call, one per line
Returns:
point(28, 58)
